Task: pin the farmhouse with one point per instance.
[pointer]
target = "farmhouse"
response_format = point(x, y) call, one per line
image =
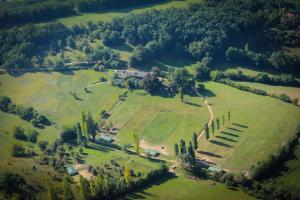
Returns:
point(123, 74)
point(71, 170)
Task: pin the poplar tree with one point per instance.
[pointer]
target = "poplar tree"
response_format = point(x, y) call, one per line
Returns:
point(176, 149)
point(218, 124)
point(68, 195)
point(182, 147)
point(213, 126)
point(136, 142)
point(229, 116)
point(206, 131)
point(195, 141)
point(223, 120)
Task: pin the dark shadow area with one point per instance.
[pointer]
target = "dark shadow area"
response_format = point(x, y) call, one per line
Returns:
point(123, 47)
point(210, 154)
point(141, 194)
point(232, 188)
point(221, 143)
point(192, 104)
point(66, 72)
point(234, 129)
point(225, 138)
point(207, 93)
point(230, 134)
point(240, 125)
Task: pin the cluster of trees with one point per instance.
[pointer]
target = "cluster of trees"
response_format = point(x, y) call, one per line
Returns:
point(26, 113)
point(82, 132)
point(19, 134)
point(25, 11)
point(211, 29)
point(282, 97)
point(186, 154)
point(112, 187)
point(15, 186)
point(215, 125)
point(278, 60)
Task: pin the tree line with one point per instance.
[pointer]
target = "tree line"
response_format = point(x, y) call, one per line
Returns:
point(25, 113)
point(25, 11)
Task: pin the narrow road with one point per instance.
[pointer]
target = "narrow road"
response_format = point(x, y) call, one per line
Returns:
point(99, 83)
point(210, 113)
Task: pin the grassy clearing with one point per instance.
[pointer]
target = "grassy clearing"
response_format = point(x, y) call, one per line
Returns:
point(259, 126)
point(292, 92)
point(49, 94)
point(184, 188)
point(109, 15)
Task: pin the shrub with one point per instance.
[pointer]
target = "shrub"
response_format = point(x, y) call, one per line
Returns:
point(18, 150)
point(18, 133)
point(43, 145)
point(32, 136)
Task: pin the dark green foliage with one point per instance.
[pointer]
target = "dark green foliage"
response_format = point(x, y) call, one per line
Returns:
point(19, 133)
point(68, 134)
point(195, 141)
point(176, 149)
point(13, 183)
point(43, 145)
point(17, 150)
point(32, 136)
point(4, 102)
point(151, 84)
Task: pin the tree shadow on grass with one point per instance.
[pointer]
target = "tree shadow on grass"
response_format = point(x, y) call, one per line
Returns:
point(221, 143)
point(207, 93)
point(142, 194)
point(234, 129)
point(192, 104)
point(210, 154)
point(225, 138)
point(240, 125)
point(230, 134)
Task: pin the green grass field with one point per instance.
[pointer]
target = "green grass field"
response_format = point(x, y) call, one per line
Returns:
point(184, 188)
point(292, 92)
point(107, 16)
point(259, 125)
point(140, 113)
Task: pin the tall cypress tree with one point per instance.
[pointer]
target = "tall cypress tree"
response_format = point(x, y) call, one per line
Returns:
point(218, 124)
point(206, 131)
point(176, 149)
point(182, 147)
point(195, 141)
point(213, 126)
point(229, 116)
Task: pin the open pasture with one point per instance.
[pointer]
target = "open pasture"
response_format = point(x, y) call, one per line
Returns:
point(258, 126)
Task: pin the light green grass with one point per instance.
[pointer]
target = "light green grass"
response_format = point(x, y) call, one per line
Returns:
point(107, 16)
point(159, 121)
point(292, 92)
point(49, 94)
point(262, 124)
point(184, 188)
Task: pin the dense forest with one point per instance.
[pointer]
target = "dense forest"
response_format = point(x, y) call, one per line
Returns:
point(29, 11)
point(252, 33)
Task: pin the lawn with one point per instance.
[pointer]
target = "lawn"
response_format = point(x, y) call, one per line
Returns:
point(259, 125)
point(184, 188)
point(292, 92)
point(107, 16)
point(158, 120)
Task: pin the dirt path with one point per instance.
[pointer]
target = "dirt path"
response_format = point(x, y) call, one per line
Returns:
point(99, 83)
point(210, 113)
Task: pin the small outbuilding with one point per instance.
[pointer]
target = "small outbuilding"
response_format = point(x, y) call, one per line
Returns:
point(106, 139)
point(151, 153)
point(215, 169)
point(71, 170)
